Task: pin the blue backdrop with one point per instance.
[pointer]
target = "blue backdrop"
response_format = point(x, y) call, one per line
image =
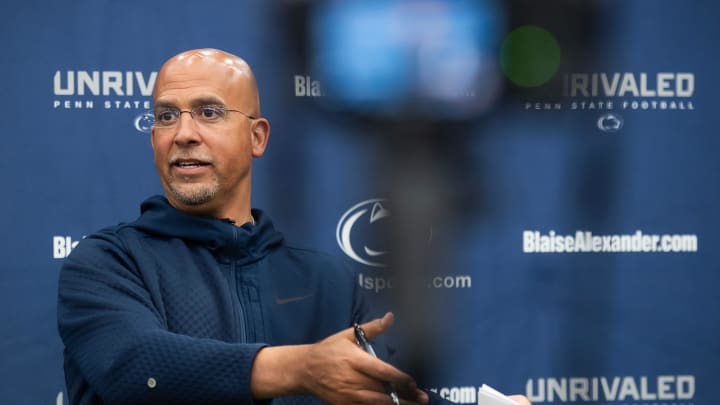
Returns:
point(619, 167)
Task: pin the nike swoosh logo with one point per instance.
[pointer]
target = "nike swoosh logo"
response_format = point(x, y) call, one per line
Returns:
point(281, 301)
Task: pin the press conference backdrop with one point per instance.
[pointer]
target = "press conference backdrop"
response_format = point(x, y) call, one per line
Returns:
point(573, 147)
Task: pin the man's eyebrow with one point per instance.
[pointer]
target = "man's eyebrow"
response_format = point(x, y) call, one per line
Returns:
point(200, 101)
point(208, 100)
point(164, 104)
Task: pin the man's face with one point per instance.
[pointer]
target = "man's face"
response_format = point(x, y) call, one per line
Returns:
point(204, 167)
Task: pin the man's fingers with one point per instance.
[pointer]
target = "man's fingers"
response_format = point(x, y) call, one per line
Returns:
point(415, 396)
point(402, 384)
point(381, 371)
point(520, 399)
point(372, 329)
point(412, 392)
point(374, 397)
point(377, 326)
point(368, 383)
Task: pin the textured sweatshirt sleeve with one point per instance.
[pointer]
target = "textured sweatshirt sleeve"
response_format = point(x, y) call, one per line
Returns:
point(118, 349)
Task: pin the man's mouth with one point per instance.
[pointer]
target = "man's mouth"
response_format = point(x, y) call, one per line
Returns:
point(189, 163)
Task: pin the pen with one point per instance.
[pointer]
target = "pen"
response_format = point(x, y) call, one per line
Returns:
point(363, 342)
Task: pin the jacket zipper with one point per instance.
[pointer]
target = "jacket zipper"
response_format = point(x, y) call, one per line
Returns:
point(237, 294)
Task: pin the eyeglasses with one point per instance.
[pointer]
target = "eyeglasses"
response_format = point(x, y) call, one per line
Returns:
point(168, 117)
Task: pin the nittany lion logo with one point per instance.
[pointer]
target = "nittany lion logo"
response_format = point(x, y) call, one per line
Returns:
point(367, 214)
point(144, 122)
point(610, 122)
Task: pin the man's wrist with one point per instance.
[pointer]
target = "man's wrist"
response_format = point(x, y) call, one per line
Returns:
point(277, 371)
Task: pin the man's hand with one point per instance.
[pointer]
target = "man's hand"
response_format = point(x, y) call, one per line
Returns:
point(520, 399)
point(336, 370)
point(340, 372)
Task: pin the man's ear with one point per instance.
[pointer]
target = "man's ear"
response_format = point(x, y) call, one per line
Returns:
point(260, 136)
point(152, 138)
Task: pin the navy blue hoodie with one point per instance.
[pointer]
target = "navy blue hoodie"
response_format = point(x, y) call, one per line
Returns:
point(172, 308)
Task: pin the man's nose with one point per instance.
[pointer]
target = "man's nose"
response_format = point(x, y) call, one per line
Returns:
point(187, 131)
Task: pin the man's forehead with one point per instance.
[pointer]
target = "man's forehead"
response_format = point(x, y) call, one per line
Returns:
point(204, 73)
point(207, 59)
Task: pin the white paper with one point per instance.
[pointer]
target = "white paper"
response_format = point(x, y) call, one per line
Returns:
point(490, 396)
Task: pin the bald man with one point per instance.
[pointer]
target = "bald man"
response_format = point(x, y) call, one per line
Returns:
point(204, 166)
point(200, 300)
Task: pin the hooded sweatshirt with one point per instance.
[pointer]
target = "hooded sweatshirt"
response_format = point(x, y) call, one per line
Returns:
point(173, 308)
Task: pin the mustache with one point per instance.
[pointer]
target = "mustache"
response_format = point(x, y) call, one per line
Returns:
point(184, 157)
